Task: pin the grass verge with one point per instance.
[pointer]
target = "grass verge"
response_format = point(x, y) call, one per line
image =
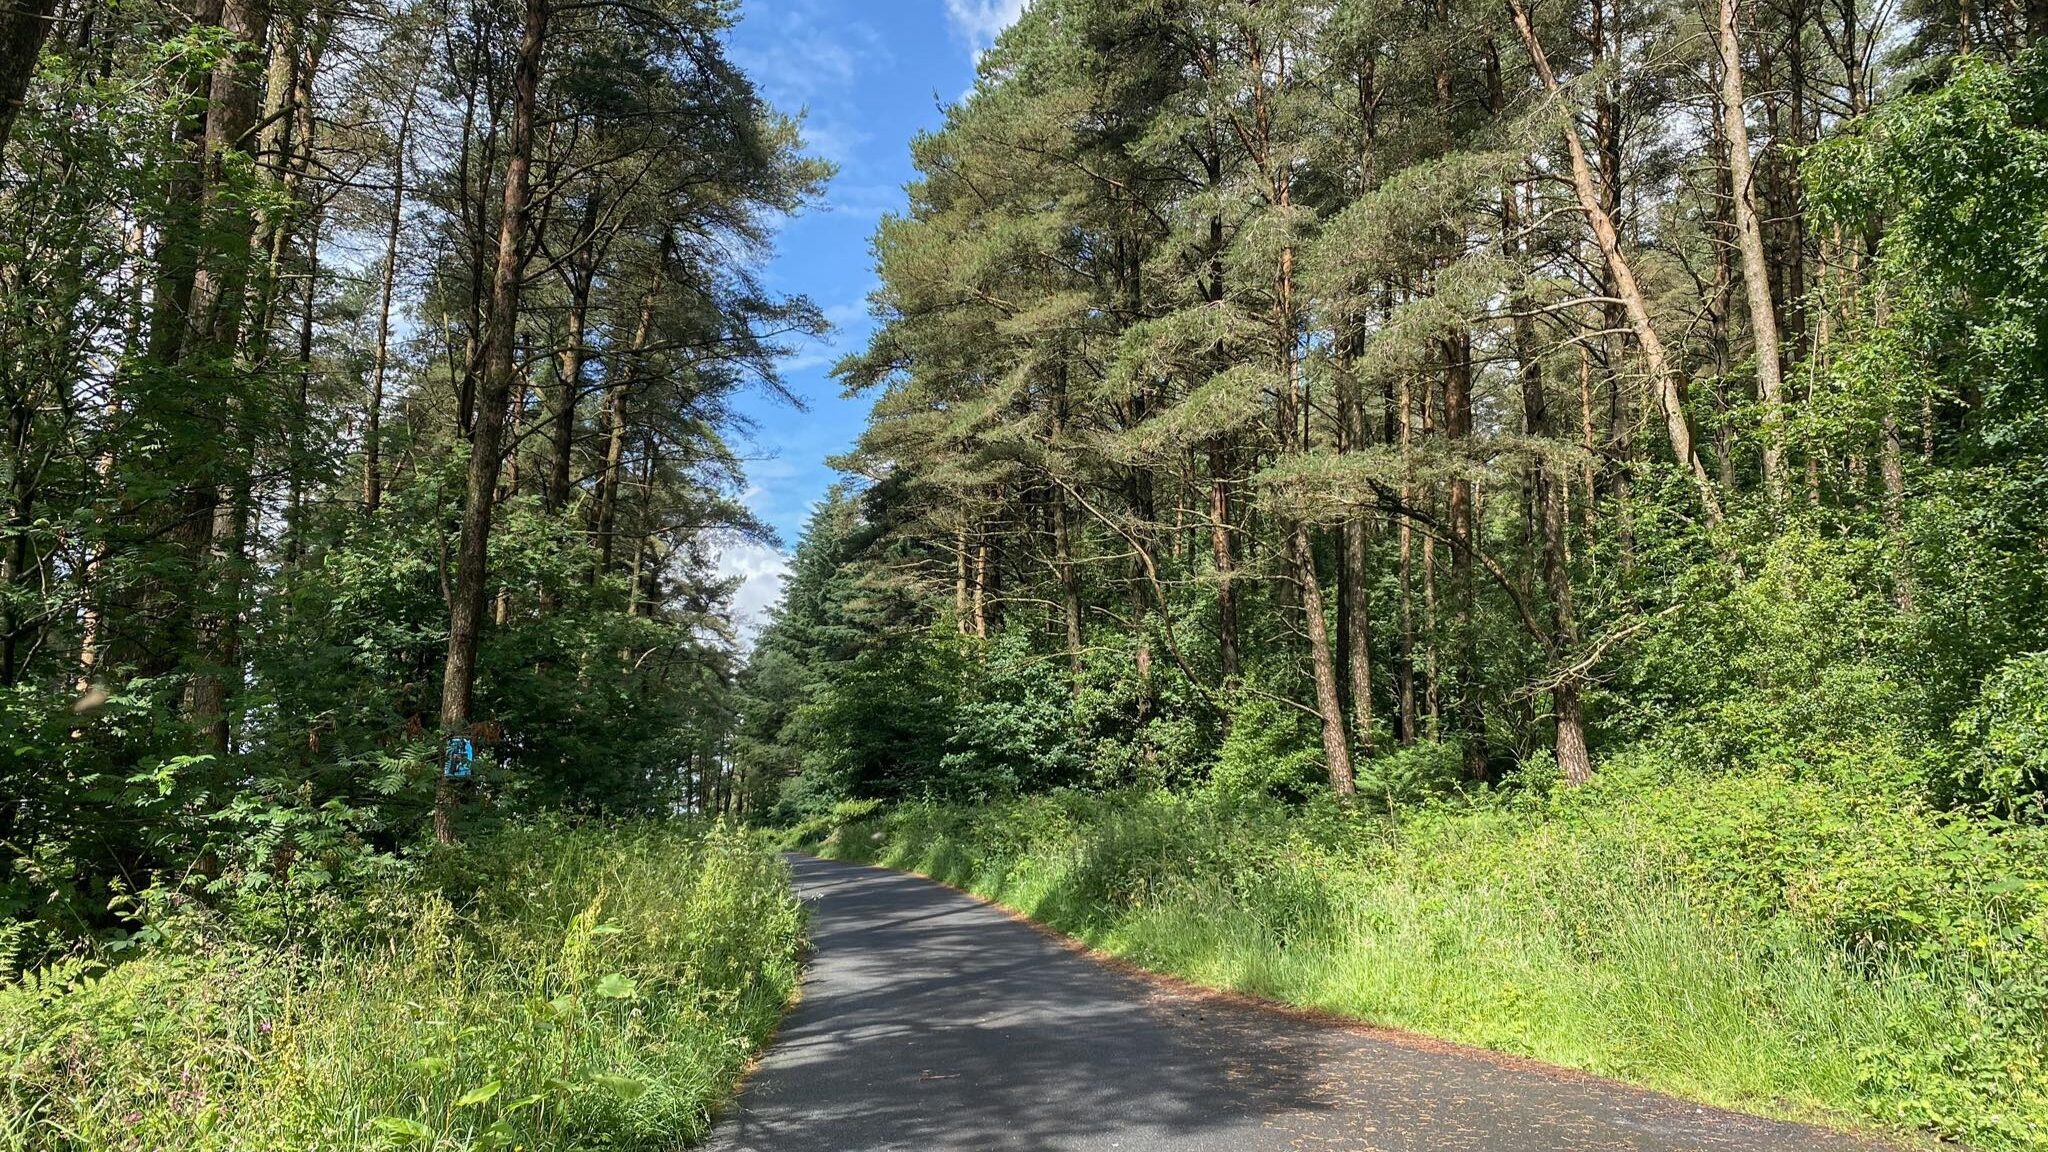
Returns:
point(545, 988)
point(1756, 944)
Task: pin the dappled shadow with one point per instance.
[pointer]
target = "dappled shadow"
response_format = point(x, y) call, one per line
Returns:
point(930, 1021)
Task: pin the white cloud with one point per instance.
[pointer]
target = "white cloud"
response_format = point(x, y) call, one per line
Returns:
point(866, 201)
point(979, 22)
point(762, 571)
point(800, 53)
point(851, 322)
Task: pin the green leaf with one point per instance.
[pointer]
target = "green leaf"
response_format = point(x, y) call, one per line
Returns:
point(617, 987)
point(624, 1087)
point(400, 1126)
point(476, 1096)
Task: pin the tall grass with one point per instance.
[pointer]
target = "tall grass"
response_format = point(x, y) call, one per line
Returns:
point(547, 988)
point(1685, 936)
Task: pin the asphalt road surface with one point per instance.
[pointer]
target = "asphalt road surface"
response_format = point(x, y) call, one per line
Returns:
point(932, 1021)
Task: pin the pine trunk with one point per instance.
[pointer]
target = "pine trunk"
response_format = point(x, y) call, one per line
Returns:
point(501, 371)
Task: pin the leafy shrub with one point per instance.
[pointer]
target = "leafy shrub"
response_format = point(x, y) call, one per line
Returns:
point(1410, 774)
point(1273, 749)
point(547, 987)
point(2006, 737)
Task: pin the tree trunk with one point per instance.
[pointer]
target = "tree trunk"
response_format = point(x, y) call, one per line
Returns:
point(1357, 592)
point(1573, 761)
point(1457, 430)
point(569, 378)
point(1410, 719)
point(1756, 272)
point(982, 578)
point(212, 341)
point(1664, 381)
point(1223, 550)
point(1329, 703)
point(616, 409)
point(1070, 587)
point(24, 25)
point(501, 369)
point(373, 420)
point(961, 615)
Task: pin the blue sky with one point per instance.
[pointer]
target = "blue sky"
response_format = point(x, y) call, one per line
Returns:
point(868, 75)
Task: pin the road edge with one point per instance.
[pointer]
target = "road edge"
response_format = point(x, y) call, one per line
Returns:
point(1184, 988)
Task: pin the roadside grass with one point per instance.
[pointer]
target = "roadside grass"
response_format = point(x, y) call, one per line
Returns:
point(1785, 956)
point(544, 988)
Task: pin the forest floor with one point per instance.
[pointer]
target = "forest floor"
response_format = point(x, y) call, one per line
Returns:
point(930, 1020)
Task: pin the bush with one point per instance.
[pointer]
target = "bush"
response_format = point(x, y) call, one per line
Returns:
point(547, 987)
point(2005, 734)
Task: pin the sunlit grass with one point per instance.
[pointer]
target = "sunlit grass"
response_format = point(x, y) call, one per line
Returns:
point(545, 989)
point(1568, 940)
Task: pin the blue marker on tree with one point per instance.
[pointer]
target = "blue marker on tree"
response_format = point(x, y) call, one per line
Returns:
point(461, 754)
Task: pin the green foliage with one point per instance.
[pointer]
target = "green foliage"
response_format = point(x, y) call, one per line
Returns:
point(2005, 738)
point(1800, 667)
point(1015, 729)
point(880, 724)
point(1273, 749)
point(547, 987)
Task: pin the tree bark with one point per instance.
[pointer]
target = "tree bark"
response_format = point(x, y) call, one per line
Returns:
point(1223, 551)
point(1457, 430)
point(501, 370)
point(1405, 670)
point(1756, 271)
point(373, 420)
point(1665, 383)
point(617, 406)
point(1357, 591)
point(1070, 586)
point(24, 25)
point(212, 342)
point(569, 371)
point(1336, 749)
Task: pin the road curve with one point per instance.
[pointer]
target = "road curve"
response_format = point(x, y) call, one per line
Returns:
point(932, 1021)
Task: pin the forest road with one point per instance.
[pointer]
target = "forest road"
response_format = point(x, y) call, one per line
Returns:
point(932, 1021)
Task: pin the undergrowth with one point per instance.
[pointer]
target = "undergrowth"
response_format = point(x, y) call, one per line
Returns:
point(1753, 941)
point(543, 988)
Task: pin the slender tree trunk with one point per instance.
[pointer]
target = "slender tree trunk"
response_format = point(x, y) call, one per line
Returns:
point(982, 577)
point(212, 342)
point(1290, 435)
point(501, 370)
point(1357, 591)
point(24, 25)
point(617, 407)
point(569, 381)
point(1070, 586)
point(1756, 272)
point(1457, 430)
point(373, 417)
point(14, 560)
point(1664, 381)
point(962, 616)
point(1410, 717)
point(1329, 702)
point(1223, 552)
point(1552, 490)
